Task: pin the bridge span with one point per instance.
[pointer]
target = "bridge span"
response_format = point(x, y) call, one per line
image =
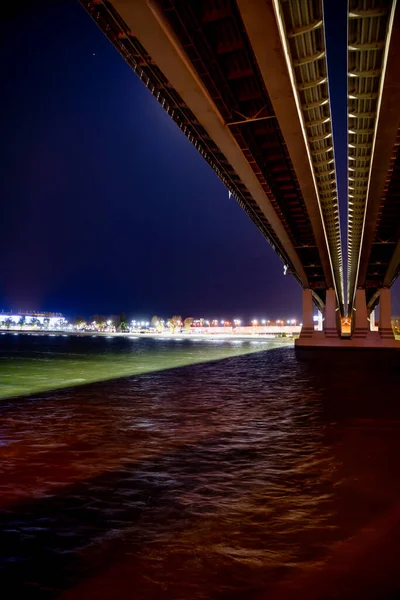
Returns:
point(247, 83)
point(374, 162)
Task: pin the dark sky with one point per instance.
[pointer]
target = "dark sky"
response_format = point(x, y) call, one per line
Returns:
point(106, 206)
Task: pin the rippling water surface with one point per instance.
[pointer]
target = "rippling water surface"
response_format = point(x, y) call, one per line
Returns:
point(254, 475)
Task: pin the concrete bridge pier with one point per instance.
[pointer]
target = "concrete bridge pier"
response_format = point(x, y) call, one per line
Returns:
point(364, 324)
point(362, 335)
point(385, 314)
point(307, 329)
point(330, 323)
point(360, 319)
point(330, 327)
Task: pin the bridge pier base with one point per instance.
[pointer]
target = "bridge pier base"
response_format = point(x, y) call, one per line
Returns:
point(307, 329)
point(385, 314)
point(330, 330)
point(330, 325)
point(360, 319)
point(362, 336)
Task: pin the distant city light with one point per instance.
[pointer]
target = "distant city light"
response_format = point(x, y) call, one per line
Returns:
point(56, 322)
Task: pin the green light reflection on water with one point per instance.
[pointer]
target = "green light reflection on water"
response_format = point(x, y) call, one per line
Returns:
point(24, 371)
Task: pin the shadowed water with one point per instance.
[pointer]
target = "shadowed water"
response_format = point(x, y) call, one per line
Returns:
point(254, 476)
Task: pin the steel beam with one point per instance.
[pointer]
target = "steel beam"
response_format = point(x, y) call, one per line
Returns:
point(259, 19)
point(153, 31)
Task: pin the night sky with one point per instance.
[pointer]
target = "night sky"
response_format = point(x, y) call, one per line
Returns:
point(106, 206)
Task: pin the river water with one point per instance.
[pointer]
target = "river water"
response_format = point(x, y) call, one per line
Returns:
point(205, 471)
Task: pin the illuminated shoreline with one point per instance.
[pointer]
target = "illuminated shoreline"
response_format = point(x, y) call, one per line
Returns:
point(152, 335)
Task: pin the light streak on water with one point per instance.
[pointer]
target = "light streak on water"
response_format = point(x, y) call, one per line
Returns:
point(33, 365)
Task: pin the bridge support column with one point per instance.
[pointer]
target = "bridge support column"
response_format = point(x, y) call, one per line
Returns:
point(330, 326)
point(361, 327)
point(362, 336)
point(385, 314)
point(307, 329)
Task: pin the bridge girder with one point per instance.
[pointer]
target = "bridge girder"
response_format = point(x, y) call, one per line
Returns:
point(200, 61)
point(374, 148)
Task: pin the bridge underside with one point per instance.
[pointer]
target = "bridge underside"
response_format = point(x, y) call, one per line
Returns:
point(374, 151)
point(263, 126)
point(247, 83)
point(383, 266)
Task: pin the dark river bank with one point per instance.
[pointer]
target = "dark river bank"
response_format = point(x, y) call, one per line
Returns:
point(237, 472)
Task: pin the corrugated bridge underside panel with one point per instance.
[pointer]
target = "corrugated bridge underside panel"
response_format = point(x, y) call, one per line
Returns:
point(304, 25)
point(387, 232)
point(215, 41)
point(367, 35)
point(214, 38)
